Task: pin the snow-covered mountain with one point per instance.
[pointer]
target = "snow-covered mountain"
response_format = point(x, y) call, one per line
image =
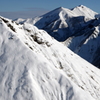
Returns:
point(87, 44)
point(34, 66)
point(62, 22)
point(78, 28)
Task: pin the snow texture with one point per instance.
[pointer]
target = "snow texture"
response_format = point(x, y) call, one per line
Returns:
point(34, 66)
point(77, 28)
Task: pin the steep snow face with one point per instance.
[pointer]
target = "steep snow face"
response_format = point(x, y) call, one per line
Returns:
point(87, 45)
point(85, 42)
point(62, 22)
point(78, 27)
point(35, 66)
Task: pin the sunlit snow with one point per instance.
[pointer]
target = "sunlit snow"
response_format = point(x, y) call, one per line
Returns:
point(34, 66)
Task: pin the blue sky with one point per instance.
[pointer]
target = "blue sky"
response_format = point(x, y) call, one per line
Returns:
point(32, 8)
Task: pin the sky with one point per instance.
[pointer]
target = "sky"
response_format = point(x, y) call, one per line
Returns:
point(31, 8)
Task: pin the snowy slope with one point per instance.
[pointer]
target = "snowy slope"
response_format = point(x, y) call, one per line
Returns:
point(87, 45)
point(33, 66)
point(62, 21)
point(78, 28)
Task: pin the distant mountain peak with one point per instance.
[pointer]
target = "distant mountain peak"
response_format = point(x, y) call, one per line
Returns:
point(59, 75)
point(61, 23)
point(83, 9)
point(59, 9)
point(77, 7)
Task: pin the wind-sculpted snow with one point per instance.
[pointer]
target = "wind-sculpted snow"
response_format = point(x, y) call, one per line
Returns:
point(34, 66)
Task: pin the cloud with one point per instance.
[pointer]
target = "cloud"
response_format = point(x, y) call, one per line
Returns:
point(29, 13)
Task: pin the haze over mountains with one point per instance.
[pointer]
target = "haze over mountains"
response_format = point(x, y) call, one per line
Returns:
point(34, 66)
point(78, 28)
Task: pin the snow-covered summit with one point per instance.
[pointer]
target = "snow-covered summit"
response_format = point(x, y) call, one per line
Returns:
point(34, 66)
point(62, 21)
point(82, 10)
point(78, 27)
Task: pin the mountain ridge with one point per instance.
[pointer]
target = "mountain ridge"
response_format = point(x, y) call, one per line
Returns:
point(75, 28)
point(35, 66)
